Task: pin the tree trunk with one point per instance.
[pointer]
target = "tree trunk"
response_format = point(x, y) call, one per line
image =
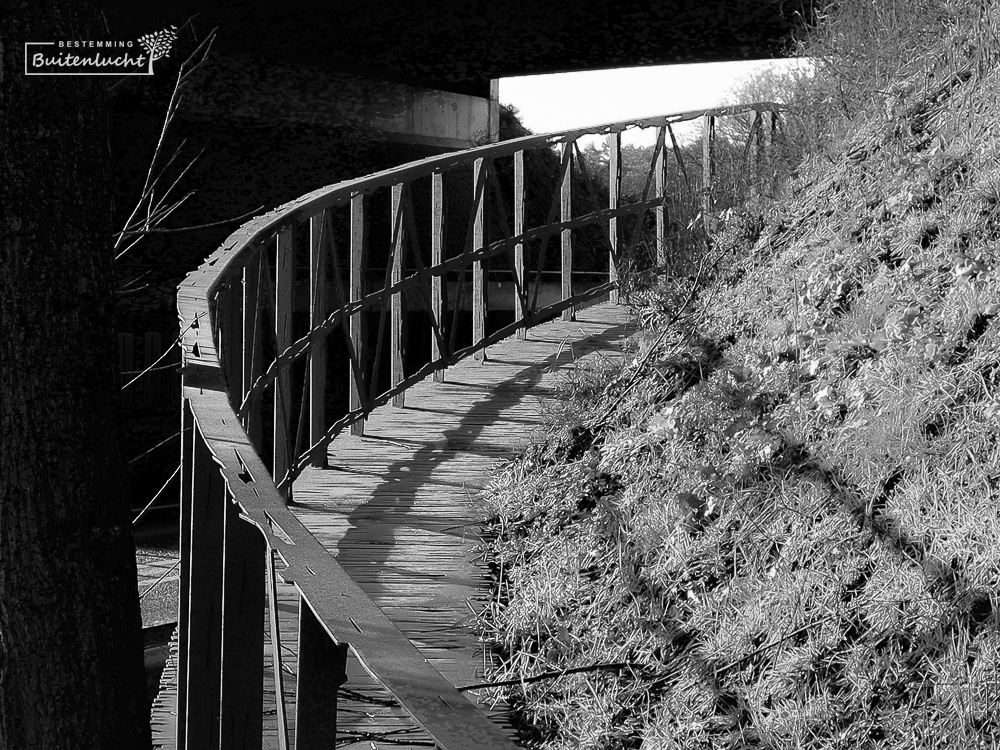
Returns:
point(71, 664)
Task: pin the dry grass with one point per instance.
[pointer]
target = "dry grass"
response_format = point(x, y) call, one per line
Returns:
point(779, 524)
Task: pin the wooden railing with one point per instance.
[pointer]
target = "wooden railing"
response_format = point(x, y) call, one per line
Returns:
point(281, 352)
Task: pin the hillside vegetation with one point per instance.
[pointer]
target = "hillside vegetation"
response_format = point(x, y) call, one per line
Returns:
point(776, 521)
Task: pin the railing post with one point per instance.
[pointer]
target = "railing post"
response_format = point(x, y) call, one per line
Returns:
point(317, 347)
point(566, 234)
point(660, 175)
point(480, 177)
point(231, 332)
point(397, 321)
point(708, 168)
point(284, 289)
point(437, 257)
point(359, 253)
point(614, 198)
point(253, 350)
point(322, 669)
point(520, 280)
point(242, 699)
point(202, 680)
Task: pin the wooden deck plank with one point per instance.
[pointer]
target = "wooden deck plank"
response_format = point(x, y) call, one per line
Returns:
point(398, 506)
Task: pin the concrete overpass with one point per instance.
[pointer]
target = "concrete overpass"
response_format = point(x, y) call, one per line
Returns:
point(460, 45)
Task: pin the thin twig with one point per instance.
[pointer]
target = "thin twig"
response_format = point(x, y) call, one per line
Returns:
point(350, 738)
point(156, 496)
point(158, 580)
point(125, 287)
point(159, 444)
point(150, 369)
point(131, 291)
point(551, 675)
point(177, 179)
point(222, 222)
point(153, 366)
point(159, 359)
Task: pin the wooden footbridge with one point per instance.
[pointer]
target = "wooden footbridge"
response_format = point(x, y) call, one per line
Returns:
point(340, 415)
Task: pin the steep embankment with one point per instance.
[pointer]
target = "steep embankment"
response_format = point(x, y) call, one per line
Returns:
point(778, 525)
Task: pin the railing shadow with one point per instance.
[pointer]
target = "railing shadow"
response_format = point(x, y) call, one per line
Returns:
point(404, 480)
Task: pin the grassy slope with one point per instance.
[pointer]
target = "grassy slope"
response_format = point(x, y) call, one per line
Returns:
point(777, 525)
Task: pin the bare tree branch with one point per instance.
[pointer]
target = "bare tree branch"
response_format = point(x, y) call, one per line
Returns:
point(157, 210)
point(616, 666)
point(166, 230)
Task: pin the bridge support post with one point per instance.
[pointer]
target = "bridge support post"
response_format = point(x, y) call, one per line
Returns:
point(242, 660)
point(201, 643)
point(317, 347)
point(494, 110)
point(566, 234)
point(359, 252)
point(322, 669)
point(614, 193)
point(184, 585)
point(276, 659)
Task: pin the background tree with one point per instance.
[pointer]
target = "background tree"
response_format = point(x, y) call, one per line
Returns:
point(71, 667)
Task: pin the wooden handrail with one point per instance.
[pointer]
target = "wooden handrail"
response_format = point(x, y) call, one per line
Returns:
point(254, 431)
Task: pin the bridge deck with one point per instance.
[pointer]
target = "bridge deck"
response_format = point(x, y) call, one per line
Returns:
point(398, 508)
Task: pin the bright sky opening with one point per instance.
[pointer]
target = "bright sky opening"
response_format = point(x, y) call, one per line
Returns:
point(563, 101)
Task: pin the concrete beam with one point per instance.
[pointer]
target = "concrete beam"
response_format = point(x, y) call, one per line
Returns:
point(241, 87)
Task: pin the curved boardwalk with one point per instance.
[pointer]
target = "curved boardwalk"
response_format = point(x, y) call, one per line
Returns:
point(398, 508)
